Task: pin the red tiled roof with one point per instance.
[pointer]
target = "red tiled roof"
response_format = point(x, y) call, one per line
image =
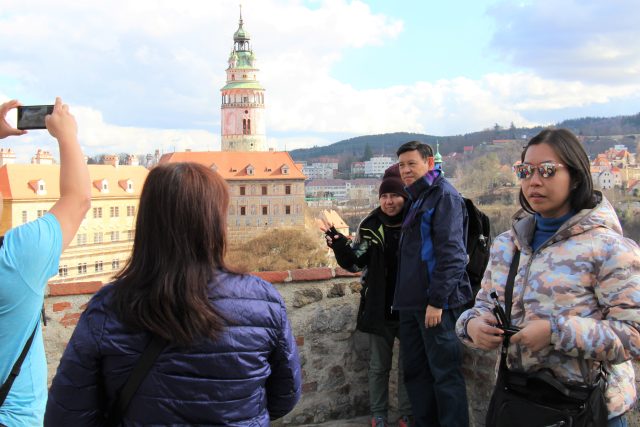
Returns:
point(232, 165)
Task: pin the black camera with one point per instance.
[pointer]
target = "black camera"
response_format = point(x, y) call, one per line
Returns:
point(32, 116)
point(501, 317)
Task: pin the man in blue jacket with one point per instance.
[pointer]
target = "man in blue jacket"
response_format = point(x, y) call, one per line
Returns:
point(431, 290)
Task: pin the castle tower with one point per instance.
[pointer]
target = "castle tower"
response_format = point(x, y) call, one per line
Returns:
point(243, 127)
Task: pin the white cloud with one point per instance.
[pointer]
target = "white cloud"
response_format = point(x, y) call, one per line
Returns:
point(591, 41)
point(144, 75)
point(97, 137)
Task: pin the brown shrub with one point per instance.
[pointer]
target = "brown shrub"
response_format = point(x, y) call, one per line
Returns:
point(278, 250)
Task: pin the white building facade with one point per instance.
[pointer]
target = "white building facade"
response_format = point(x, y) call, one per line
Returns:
point(377, 165)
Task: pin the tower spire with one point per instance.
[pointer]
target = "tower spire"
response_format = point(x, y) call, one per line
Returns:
point(438, 157)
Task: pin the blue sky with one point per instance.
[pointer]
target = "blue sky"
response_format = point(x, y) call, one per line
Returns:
point(146, 74)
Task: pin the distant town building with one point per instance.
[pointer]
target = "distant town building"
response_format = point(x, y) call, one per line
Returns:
point(132, 160)
point(334, 189)
point(633, 188)
point(619, 156)
point(105, 237)
point(42, 157)
point(603, 179)
point(357, 169)
point(267, 189)
point(377, 165)
point(243, 119)
point(320, 170)
point(361, 191)
point(7, 156)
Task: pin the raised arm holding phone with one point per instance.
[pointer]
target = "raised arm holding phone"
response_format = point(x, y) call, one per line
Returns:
point(29, 256)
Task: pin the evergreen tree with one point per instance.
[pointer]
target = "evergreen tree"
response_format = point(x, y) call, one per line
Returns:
point(368, 153)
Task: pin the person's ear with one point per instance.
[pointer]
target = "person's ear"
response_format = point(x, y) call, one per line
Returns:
point(431, 162)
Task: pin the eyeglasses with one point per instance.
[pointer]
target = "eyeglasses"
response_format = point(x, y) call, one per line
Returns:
point(526, 170)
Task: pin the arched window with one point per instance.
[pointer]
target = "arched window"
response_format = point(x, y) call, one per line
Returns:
point(248, 126)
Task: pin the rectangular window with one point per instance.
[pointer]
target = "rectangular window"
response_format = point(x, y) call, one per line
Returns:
point(243, 190)
point(115, 236)
point(131, 210)
point(264, 190)
point(97, 237)
point(114, 211)
point(63, 271)
point(265, 210)
point(115, 264)
point(287, 210)
point(82, 268)
point(41, 212)
point(97, 212)
point(131, 234)
point(82, 239)
point(24, 217)
point(287, 189)
point(98, 266)
point(243, 210)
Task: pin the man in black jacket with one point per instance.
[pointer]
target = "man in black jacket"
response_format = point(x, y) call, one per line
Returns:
point(375, 253)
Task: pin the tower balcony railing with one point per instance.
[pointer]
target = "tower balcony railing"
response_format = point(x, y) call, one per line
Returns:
point(243, 105)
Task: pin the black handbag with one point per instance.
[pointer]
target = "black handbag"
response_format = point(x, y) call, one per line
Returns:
point(538, 399)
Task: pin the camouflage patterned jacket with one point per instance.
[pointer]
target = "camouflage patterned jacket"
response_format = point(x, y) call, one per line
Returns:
point(586, 281)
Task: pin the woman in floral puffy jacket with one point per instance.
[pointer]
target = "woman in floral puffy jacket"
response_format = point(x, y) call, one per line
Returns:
point(230, 357)
point(576, 294)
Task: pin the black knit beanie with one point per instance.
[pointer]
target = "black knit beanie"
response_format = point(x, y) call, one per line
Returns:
point(391, 182)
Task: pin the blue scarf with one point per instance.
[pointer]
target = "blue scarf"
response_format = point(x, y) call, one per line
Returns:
point(547, 227)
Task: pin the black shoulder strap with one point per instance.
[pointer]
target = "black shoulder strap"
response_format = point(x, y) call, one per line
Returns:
point(508, 290)
point(15, 370)
point(508, 296)
point(138, 374)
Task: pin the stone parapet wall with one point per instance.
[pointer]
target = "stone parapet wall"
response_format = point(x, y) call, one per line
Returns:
point(322, 304)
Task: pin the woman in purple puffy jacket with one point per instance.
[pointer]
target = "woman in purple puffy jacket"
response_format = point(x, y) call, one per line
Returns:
point(230, 359)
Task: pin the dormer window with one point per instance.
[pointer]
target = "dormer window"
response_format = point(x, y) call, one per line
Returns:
point(126, 185)
point(213, 167)
point(250, 170)
point(38, 186)
point(285, 170)
point(102, 185)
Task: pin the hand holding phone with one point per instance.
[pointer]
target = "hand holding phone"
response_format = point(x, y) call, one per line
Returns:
point(501, 317)
point(32, 116)
point(5, 128)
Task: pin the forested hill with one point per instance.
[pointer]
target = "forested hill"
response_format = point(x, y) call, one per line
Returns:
point(354, 148)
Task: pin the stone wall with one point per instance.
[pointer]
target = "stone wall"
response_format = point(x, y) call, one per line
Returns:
point(322, 305)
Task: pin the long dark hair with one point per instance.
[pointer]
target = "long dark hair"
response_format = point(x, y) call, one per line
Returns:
point(180, 240)
point(575, 159)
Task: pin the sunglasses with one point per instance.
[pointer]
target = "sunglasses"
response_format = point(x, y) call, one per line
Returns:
point(546, 169)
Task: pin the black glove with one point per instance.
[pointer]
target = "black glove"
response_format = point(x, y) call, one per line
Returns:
point(335, 239)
